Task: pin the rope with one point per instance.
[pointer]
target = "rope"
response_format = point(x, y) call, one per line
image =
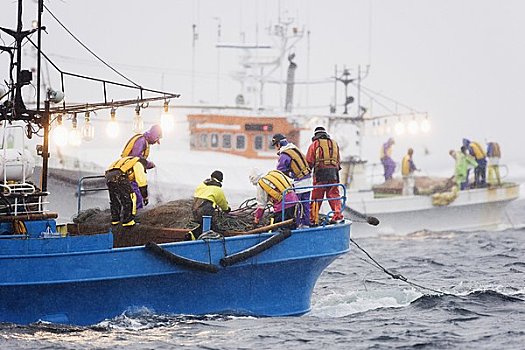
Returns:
point(398, 276)
point(88, 49)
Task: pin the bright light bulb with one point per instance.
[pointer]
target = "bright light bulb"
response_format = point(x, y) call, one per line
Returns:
point(88, 131)
point(381, 130)
point(75, 138)
point(112, 129)
point(413, 127)
point(425, 126)
point(167, 123)
point(138, 124)
point(399, 128)
point(60, 135)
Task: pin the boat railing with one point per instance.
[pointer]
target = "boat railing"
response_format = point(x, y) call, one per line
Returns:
point(17, 202)
point(82, 191)
point(290, 189)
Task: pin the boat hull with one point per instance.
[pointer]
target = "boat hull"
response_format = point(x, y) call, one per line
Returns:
point(87, 287)
point(474, 209)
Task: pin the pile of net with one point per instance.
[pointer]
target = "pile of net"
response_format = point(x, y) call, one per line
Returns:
point(424, 185)
point(177, 214)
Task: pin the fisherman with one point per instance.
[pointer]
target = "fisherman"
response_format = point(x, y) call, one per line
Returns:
point(389, 165)
point(292, 162)
point(122, 198)
point(207, 199)
point(493, 155)
point(464, 162)
point(479, 155)
point(407, 171)
point(270, 188)
point(323, 157)
point(138, 146)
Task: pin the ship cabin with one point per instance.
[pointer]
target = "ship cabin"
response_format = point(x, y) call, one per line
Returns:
point(247, 135)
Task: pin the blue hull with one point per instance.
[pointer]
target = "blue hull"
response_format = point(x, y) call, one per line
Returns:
point(62, 285)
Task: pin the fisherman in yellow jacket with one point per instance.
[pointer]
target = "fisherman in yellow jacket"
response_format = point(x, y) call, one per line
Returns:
point(480, 172)
point(122, 198)
point(407, 171)
point(493, 155)
point(207, 198)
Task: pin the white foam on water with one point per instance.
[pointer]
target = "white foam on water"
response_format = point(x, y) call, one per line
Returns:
point(340, 305)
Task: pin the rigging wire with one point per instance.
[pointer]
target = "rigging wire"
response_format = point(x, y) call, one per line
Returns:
point(88, 49)
point(398, 276)
point(388, 98)
point(378, 102)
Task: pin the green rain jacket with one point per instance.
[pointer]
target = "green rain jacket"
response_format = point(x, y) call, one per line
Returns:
point(463, 163)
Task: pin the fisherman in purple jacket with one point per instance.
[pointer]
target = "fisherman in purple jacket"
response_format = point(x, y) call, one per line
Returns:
point(138, 146)
point(292, 162)
point(389, 165)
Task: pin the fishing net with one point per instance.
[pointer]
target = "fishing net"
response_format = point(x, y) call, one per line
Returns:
point(178, 214)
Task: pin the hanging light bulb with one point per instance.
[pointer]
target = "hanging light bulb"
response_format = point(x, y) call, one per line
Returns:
point(138, 122)
point(413, 127)
point(399, 128)
point(88, 131)
point(380, 128)
point(75, 137)
point(60, 132)
point(387, 129)
point(425, 125)
point(112, 129)
point(166, 119)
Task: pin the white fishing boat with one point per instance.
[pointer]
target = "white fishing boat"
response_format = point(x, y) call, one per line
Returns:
point(468, 210)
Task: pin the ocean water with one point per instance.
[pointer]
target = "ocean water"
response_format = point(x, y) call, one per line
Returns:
point(355, 304)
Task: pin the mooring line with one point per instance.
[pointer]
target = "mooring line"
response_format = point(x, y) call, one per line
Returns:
point(398, 276)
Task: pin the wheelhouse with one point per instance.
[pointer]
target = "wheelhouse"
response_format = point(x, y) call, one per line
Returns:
point(248, 136)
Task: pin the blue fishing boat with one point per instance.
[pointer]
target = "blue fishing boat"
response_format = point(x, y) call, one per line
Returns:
point(83, 280)
point(62, 274)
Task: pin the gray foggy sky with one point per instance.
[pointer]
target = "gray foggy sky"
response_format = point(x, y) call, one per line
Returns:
point(460, 61)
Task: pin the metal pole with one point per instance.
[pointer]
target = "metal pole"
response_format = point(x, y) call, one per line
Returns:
point(194, 26)
point(39, 55)
point(45, 147)
point(359, 111)
point(307, 68)
point(218, 61)
point(18, 40)
point(206, 223)
point(335, 88)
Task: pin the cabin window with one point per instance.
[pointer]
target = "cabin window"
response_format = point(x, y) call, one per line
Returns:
point(270, 147)
point(214, 140)
point(227, 141)
point(240, 142)
point(258, 142)
point(203, 140)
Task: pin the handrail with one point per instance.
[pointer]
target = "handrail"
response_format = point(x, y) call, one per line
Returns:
point(343, 197)
point(81, 191)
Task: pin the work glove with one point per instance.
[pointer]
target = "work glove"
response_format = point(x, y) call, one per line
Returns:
point(145, 201)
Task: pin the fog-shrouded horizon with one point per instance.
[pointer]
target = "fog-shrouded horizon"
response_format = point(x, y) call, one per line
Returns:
point(459, 62)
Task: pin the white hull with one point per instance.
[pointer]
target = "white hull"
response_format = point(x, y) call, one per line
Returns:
point(472, 210)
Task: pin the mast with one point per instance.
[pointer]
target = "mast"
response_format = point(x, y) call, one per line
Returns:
point(39, 55)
